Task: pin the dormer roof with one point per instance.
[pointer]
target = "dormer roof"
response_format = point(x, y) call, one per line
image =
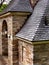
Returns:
point(18, 6)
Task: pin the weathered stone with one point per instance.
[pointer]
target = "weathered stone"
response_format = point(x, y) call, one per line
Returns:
point(25, 53)
point(41, 54)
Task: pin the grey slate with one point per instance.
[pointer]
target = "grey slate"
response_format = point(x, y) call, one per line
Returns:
point(23, 5)
point(18, 5)
point(42, 32)
point(33, 29)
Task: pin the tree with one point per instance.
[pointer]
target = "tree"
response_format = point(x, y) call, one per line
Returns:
point(3, 7)
point(1, 2)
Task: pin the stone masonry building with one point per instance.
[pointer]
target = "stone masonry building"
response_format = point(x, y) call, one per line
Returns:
point(24, 33)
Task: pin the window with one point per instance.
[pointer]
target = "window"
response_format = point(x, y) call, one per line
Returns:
point(4, 39)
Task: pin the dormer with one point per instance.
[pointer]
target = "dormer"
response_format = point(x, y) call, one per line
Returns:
point(19, 10)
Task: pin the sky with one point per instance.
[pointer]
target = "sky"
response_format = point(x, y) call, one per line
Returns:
point(6, 1)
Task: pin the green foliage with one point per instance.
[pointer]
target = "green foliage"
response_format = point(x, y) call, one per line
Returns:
point(3, 7)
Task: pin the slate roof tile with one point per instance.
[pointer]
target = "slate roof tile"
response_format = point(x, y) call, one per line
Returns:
point(33, 29)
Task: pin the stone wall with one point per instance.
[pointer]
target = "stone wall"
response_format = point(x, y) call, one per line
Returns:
point(10, 27)
point(25, 53)
point(41, 54)
point(14, 24)
point(0, 37)
point(15, 53)
point(37, 54)
point(18, 22)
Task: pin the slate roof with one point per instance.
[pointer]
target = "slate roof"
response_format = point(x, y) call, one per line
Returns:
point(42, 32)
point(18, 5)
point(34, 29)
